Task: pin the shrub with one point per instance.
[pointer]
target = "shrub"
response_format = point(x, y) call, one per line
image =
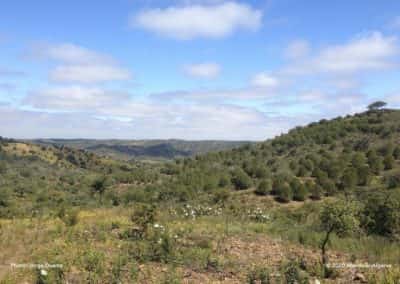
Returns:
point(221, 196)
point(93, 262)
point(393, 181)
point(388, 162)
point(349, 179)
point(375, 162)
point(241, 180)
point(293, 274)
point(70, 216)
point(264, 187)
point(315, 192)
point(99, 187)
point(162, 247)
point(259, 275)
point(284, 193)
point(381, 215)
point(328, 186)
point(142, 216)
point(300, 193)
point(364, 175)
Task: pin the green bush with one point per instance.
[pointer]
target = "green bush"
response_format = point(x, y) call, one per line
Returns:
point(142, 217)
point(388, 162)
point(315, 191)
point(259, 275)
point(300, 193)
point(284, 193)
point(293, 274)
point(381, 215)
point(241, 180)
point(393, 181)
point(93, 262)
point(264, 187)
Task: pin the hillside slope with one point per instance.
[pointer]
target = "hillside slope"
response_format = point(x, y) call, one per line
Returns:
point(337, 155)
point(144, 149)
point(244, 215)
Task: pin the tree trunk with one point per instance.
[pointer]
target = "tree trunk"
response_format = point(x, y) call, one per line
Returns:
point(323, 251)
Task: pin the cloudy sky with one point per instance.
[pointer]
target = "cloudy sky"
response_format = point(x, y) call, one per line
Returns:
point(212, 69)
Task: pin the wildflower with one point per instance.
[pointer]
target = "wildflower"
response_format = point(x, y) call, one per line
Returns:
point(43, 272)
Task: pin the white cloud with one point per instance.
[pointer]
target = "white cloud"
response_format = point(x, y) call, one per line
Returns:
point(203, 70)
point(68, 53)
point(370, 52)
point(215, 96)
point(367, 52)
point(80, 64)
point(89, 73)
point(144, 121)
point(264, 80)
point(297, 49)
point(199, 21)
point(75, 98)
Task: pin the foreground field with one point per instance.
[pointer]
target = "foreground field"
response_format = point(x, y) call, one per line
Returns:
point(188, 244)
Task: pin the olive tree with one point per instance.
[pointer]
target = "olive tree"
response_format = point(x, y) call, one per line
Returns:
point(339, 217)
point(377, 105)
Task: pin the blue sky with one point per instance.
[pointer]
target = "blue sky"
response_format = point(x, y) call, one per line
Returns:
point(209, 69)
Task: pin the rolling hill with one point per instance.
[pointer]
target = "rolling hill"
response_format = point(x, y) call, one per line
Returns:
point(144, 149)
point(252, 214)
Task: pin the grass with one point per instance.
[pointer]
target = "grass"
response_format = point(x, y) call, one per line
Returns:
point(93, 249)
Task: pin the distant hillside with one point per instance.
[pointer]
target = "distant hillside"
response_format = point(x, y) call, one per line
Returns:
point(346, 155)
point(144, 149)
point(39, 177)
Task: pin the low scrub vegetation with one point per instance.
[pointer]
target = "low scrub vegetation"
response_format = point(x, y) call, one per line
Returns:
point(284, 210)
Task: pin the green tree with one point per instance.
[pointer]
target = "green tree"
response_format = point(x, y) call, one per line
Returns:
point(241, 180)
point(375, 162)
point(393, 181)
point(359, 160)
point(377, 105)
point(284, 193)
point(99, 187)
point(339, 217)
point(388, 162)
point(300, 192)
point(315, 191)
point(364, 175)
point(143, 216)
point(381, 215)
point(349, 179)
point(328, 186)
point(301, 171)
point(264, 187)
